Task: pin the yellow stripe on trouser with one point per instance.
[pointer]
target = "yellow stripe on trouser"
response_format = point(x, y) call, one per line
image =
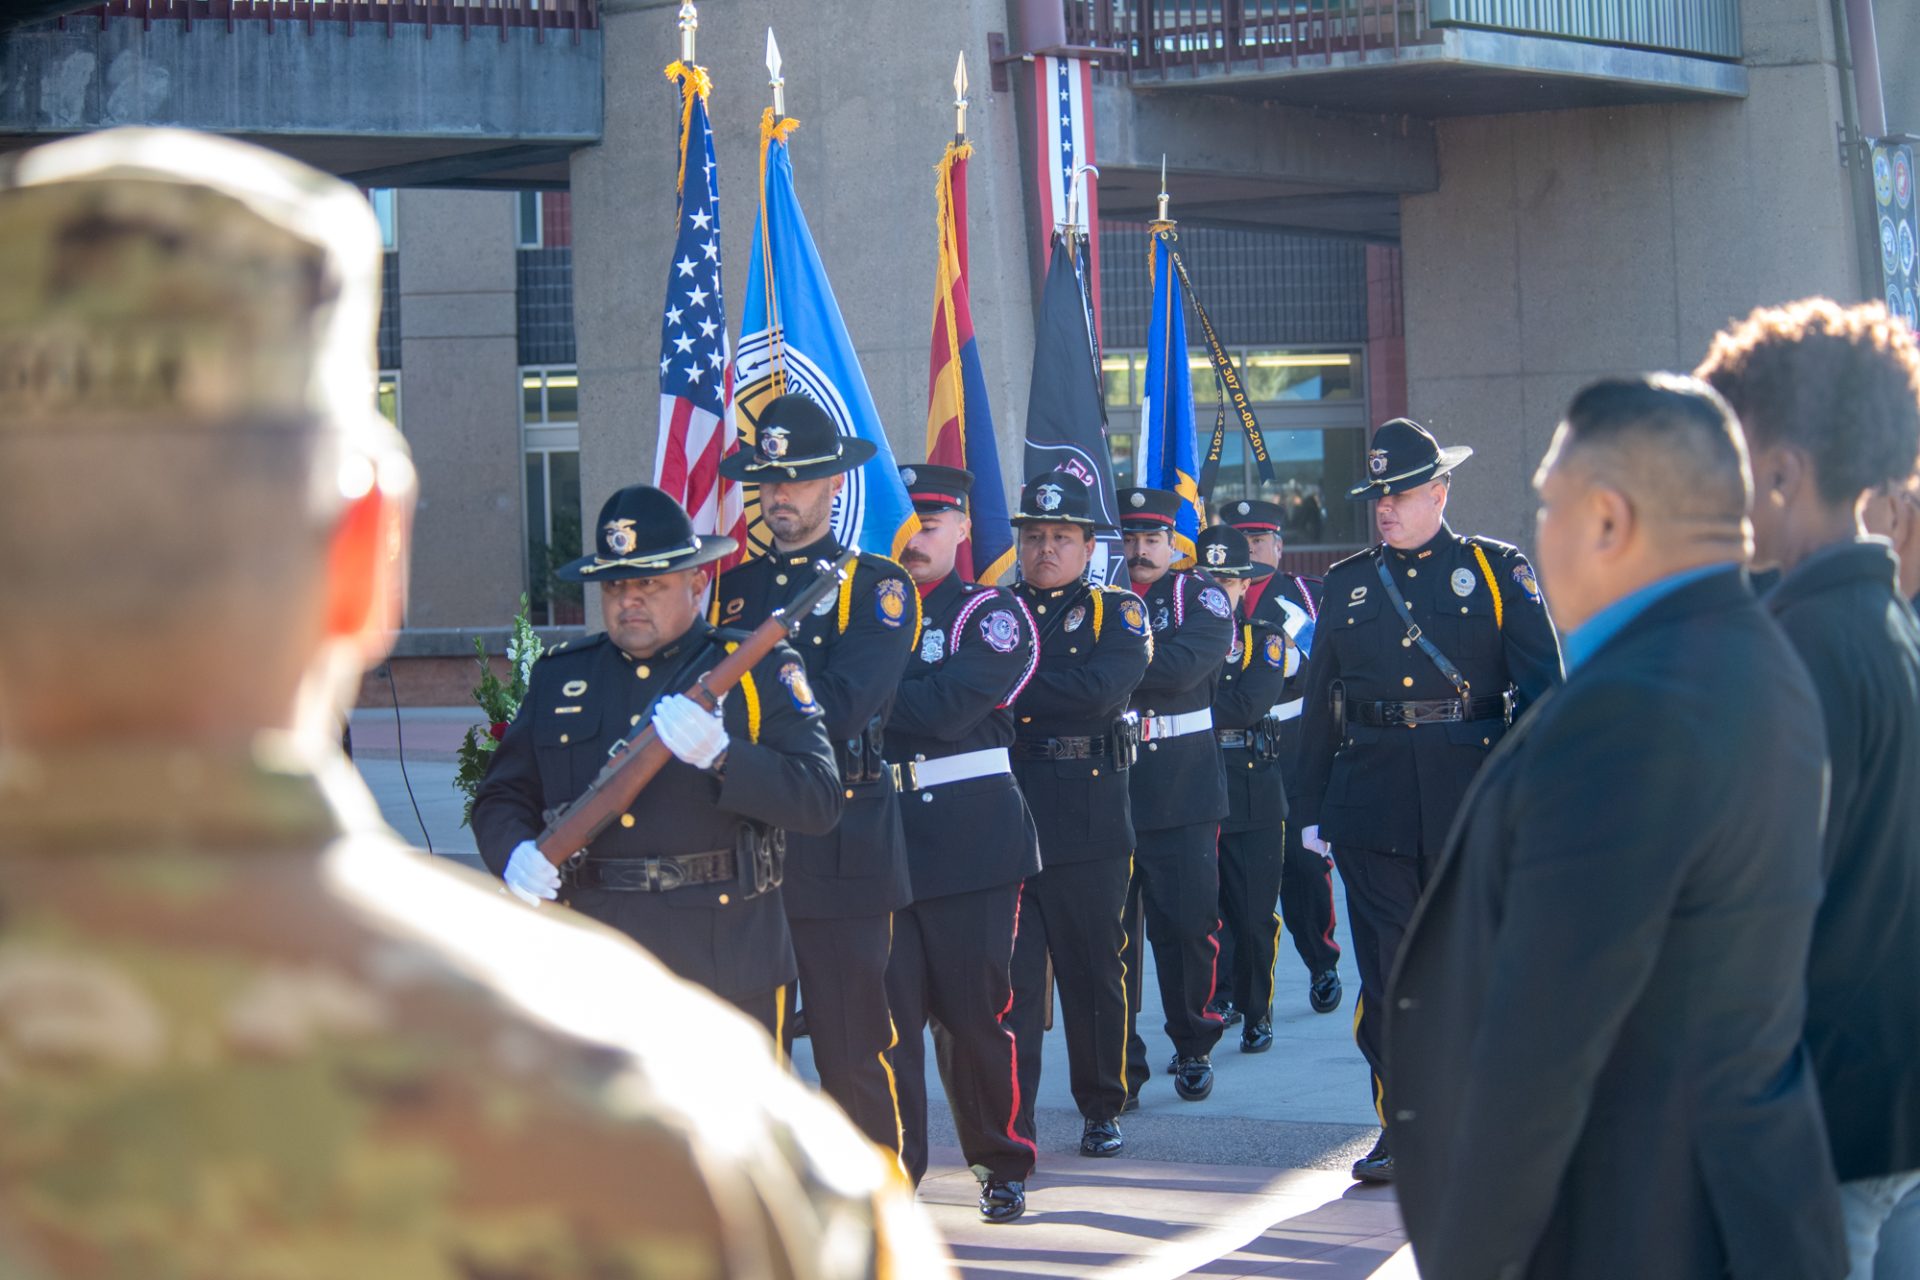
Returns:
point(1379, 1085)
point(886, 1065)
point(1126, 1014)
point(780, 1024)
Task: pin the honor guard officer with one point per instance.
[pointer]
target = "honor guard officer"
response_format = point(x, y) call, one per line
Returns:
point(1292, 602)
point(246, 1030)
point(1179, 794)
point(1246, 723)
point(842, 888)
point(1072, 750)
point(970, 844)
point(1427, 646)
point(692, 871)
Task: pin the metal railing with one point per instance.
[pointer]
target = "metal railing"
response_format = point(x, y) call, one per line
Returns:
point(1158, 36)
point(1161, 36)
point(465, 16)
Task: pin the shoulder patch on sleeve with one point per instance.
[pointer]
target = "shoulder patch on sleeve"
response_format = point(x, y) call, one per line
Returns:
point(1215, 602)
point(794, 676)
point(890, 602)
point(1001, 630)
point(1276, 651)
point(1133, 614)
point(1523, 574)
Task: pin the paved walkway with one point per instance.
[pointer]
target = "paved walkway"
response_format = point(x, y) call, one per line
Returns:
point(1250, 1182)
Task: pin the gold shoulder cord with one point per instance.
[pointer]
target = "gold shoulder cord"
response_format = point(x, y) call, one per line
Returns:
point(751, 693)
point(1493, 585)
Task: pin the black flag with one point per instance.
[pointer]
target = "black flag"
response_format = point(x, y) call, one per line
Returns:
point(1066, 404)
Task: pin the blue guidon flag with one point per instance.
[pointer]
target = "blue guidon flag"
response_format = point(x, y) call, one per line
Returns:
point(794, 340)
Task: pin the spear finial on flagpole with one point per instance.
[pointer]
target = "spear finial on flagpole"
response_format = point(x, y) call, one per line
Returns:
point(1163, 188)
point(774, 79)
point(960, 99)
point(689, 26)
point(1077, 202)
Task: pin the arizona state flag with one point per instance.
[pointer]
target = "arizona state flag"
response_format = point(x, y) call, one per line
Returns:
point(793, 339)
point(1166, 400)
point(959, 419)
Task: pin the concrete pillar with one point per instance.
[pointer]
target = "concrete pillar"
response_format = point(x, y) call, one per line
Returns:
point(870, 82)
point(1567, 245)
point(460, 405)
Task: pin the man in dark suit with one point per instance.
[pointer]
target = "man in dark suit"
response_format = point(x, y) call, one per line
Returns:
point(1595, 1058)
point(1830, 402)
point(843, 887)
point(970, 843)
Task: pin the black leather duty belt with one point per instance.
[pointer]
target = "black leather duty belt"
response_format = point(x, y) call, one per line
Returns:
point(1063, 749)
point(1435, 711)
point(652, 875)
point(1233, 737)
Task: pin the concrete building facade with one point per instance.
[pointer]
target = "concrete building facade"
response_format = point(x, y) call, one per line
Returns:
point(1452, 208)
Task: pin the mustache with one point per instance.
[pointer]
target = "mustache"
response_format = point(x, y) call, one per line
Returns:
point(1141, 562)
point(914, 557)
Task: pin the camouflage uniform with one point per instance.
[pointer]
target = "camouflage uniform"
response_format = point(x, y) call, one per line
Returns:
point(245, 1034)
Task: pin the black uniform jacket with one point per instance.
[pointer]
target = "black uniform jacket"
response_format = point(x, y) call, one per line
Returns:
point(1861, 643)
point(855, 647)
point(1180, 781)
point(1594, 1025)
point(977, 649)
point(584, 697)
point(1094, 647)
point(1392, 789)
point(1252, 682)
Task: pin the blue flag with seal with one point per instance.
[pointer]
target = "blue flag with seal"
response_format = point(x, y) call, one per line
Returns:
point(794, 340)
point(1166, 400)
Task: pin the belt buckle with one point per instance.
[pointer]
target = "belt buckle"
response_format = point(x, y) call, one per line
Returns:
point(912, 774)
point(664, 874)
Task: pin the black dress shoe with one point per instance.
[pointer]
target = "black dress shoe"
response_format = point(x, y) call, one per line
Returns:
point(798, 1027)
point(1101, 1138)
point(1001, 1200)
point(1224, 1010)
point(1324, 993)
point(1257, 1037)
point(1193, 1077)
point(1376, 1165)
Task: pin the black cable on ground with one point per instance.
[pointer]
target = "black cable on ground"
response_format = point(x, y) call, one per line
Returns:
point(400, 749)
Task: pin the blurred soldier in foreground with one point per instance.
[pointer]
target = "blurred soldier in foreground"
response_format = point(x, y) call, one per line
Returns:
point(1292, 603)
point(243, 1030)
point(1428, 646)
point(970, 842)
point(1830, 402)
point(1596, 1067)
point(1246, 724)
point(1072, 751)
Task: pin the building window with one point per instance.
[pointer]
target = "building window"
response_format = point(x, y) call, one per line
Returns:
point(382, 199)
point(528, 220)
point(550, 431)
point(387, 396)
point(1313, 415)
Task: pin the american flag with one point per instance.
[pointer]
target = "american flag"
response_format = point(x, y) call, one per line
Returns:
point(696, 373)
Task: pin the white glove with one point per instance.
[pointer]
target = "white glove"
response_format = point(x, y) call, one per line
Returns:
point(530, 876)
point(1310, 839)
point(691, 732)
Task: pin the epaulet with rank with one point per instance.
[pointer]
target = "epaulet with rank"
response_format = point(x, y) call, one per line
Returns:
point(577, 645)
point(1493, 545)
point(1357, 559)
